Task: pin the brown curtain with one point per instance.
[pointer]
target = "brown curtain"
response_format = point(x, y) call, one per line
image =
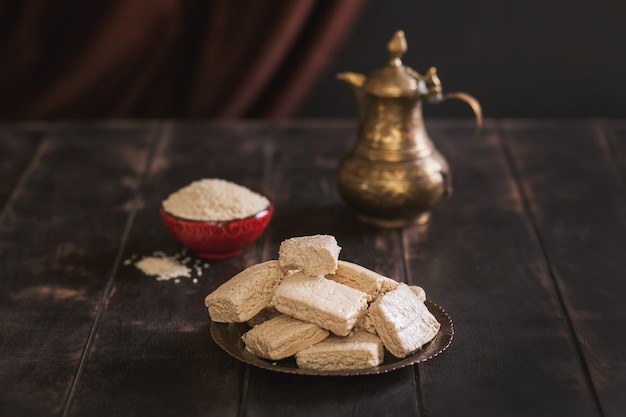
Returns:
point(165, 58)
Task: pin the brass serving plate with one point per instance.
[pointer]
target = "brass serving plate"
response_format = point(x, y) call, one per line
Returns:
point(228, 337)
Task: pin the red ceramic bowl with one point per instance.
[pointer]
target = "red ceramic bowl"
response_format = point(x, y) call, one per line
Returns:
point(217, 240)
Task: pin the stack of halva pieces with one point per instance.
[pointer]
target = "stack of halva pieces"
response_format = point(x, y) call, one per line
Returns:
point(328, 313)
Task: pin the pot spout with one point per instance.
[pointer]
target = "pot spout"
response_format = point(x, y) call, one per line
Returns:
point(356, 82)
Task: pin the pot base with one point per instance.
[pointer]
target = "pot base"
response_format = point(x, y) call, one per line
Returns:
point(387, 223)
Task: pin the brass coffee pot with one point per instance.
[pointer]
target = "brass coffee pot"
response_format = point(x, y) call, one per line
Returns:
point(394, 175)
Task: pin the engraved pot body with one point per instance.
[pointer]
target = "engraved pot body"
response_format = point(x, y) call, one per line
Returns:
point(394, 175)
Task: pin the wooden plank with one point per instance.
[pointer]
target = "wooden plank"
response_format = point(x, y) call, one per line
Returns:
point(307, 202)
point(515, 352)
point(58, 243)
point(480, 260)
point(272, 394)
point(153, 354)
point(575, 187)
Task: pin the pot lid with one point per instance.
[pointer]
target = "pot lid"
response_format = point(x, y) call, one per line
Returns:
point(395, 79)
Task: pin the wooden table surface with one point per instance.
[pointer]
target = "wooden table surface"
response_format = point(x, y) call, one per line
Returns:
point(528, 257)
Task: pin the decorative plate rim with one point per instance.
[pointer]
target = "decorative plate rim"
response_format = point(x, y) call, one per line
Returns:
point(228, 337)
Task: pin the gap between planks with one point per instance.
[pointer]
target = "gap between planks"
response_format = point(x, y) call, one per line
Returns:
point(40, 150)
point(610, 145)
point(162, 131)
point(263, 251)
point(405, 270)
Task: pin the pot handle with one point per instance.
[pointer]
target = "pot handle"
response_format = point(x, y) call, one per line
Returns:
point(433, 92)
point(473, 103)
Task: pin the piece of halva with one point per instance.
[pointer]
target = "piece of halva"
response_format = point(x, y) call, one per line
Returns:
point(402, 321)
point(330, 305)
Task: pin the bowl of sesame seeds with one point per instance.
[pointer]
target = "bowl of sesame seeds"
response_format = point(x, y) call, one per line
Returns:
point(216, 218)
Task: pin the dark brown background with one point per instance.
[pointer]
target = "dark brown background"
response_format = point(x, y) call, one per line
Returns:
point(278, 58)
point(551, 58)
